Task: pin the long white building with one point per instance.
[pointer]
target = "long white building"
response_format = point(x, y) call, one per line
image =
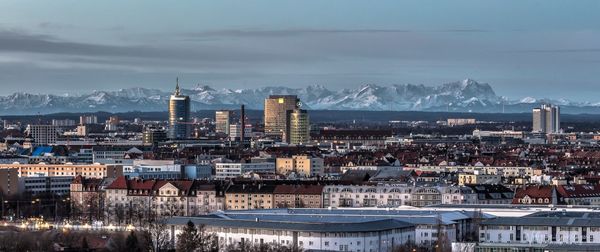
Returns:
point(367, 229)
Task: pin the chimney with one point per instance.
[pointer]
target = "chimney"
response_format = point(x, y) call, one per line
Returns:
point(243, 122)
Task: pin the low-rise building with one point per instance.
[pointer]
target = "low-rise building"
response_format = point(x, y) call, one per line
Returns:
point(577, 228)
point(536, 195)
point(244, 197)
point(163, 197)
point(333, 229)
point(301, 165)
point(298, 196)
point(70, 170)
point(468, 178)
point(234, 170)
point(59, 185)
point(579, 194)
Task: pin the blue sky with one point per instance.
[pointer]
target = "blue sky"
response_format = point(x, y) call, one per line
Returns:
point(522, 48)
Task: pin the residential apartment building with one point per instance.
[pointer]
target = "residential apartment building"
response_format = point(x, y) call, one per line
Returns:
point(298, 196)
point(302, 165)
point(244, 197)
point(43, 134)
point(394, 195)
point(164, 197)
point(366, 195)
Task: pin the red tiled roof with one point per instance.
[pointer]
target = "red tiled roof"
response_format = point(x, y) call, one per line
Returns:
point(119, 183)
point(140, 184)
point(534, 192)
point(579, 191)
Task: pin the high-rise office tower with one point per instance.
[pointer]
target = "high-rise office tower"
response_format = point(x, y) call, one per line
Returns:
point(298, 127)
point(539, 120)
point(179, 115)
point(222, 121)
point(276, 109)
point(546, 119)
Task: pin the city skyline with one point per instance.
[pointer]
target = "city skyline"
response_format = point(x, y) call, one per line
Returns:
point(540, 50)
point(337, 125)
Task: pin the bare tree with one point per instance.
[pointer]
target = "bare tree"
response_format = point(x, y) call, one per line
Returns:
point(171, 207)
point(158, 235)
point(119, 213)
point(91, 206)
point(139, 213)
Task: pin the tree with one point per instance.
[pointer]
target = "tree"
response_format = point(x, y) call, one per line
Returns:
point(84, 244)
point(139, 213)
point(92, 206)
point(119, 210)
point(158, 235)
point(131, 243)
point(189, 239)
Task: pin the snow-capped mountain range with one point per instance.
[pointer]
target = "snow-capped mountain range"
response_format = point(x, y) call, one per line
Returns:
point(461, 96)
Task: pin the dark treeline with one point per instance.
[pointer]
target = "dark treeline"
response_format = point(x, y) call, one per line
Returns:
point(321, 116)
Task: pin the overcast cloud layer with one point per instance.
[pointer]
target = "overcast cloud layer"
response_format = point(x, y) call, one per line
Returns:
point(537, 48)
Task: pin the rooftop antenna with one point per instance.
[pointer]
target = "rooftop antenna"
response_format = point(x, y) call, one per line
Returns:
point(177, 85)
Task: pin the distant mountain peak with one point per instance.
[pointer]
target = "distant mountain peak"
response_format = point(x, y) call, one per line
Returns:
point(203, 88)
point(466, 95)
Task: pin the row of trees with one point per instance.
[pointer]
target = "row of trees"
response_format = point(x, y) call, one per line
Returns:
point(51, 206)
point(80, 241)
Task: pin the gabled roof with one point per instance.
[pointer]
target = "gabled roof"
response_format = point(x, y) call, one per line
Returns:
point(578, 191)
point(119, 183)
point(141, 184)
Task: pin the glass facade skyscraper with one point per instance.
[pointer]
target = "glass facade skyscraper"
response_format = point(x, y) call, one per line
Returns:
point(276, 108)
point(179, 115)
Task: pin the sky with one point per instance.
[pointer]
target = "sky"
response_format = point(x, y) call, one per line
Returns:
point(543, 49)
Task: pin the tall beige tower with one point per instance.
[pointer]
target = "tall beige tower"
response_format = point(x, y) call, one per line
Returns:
point(276, 109)
point(222, 121)
point(299, 127)
point(546, 119)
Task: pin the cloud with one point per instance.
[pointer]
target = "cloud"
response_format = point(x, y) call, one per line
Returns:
point(14, 41)
point(55, 26)
point(578, 50)
point(299, 32)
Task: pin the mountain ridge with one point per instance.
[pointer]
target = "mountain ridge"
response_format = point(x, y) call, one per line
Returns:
point(460, 96)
